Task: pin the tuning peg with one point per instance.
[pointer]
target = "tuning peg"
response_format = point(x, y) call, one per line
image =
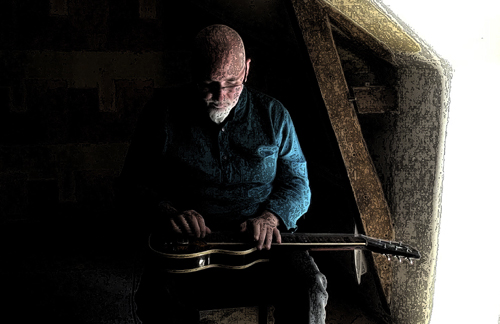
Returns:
point(400, 259)
point(388, 256)
point(410, 261)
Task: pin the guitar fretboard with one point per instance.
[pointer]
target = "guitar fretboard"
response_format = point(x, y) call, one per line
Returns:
point(290, 239)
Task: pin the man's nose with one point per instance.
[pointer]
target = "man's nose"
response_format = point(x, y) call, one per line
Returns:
point(216, 92)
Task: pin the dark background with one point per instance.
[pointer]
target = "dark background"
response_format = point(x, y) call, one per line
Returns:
point(74, 77)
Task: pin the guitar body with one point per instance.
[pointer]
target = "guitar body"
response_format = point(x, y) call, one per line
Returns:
point(232, 251)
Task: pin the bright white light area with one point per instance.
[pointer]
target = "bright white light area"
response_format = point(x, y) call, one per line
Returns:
point(467, 34)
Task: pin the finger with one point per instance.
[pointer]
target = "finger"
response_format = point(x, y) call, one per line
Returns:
point(243, 226)
point(183, 224)
point(192, 218)
point(269, 238)
point(174, 226)
point(277, 235)
point(262, 237)
point(201, 224)
point(256, 230)
point(208, 230)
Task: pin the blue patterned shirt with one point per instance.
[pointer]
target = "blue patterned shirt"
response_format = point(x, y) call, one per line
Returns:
point(228, 172)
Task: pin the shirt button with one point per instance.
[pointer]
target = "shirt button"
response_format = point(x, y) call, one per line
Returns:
point(224, 157)
point(223, 129)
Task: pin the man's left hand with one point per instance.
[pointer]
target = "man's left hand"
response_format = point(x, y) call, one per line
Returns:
point(264, 227)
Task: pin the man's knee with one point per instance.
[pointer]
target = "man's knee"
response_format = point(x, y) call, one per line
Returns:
point(321, 280)
point(314, 275)
point(319, 288)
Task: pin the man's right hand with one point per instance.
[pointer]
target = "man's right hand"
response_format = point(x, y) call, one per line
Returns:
point(189, 222)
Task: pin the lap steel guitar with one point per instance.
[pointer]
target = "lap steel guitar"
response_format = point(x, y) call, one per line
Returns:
point(231, 251)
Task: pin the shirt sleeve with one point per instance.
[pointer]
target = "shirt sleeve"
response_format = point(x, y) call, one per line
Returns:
point(291, 194)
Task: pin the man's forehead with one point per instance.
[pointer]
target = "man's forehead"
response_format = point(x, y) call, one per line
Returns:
point(229, 69)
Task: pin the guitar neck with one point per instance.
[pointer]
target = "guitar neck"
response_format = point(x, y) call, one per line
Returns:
point(296, 239)
point(321, 242)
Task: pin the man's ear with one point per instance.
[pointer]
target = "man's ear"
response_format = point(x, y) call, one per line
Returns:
point(248, 68)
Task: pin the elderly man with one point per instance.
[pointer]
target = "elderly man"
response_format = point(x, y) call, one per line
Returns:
point(218, 156)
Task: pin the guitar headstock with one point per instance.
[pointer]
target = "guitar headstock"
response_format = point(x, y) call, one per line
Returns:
point(391, 249)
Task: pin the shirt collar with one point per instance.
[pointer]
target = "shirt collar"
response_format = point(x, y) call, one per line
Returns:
point(240, 106)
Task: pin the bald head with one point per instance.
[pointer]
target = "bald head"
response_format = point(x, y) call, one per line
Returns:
point(220, 68)
point(219, 47)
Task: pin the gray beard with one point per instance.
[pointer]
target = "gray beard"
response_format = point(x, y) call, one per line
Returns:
point(218, 115)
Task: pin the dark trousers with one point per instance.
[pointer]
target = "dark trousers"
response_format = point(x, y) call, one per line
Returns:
point(291, 282)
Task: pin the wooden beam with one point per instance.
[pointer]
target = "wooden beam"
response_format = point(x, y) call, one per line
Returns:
point(314, 23)
point(356, 33)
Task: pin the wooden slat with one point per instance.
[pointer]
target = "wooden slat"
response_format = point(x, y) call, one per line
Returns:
point(375, 99)
point(314, 23)
point(357, 34)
